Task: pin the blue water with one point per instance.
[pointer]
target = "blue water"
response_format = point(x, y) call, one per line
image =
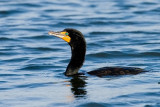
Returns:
point(118, 33)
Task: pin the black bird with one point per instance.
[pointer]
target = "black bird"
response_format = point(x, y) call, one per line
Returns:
point(77, 43)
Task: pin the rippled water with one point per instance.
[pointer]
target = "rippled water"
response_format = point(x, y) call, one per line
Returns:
point(118, 33)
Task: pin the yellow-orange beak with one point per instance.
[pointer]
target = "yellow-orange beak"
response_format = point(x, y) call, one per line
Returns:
point(63, 35)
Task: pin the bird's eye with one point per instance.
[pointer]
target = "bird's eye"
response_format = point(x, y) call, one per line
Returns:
point(66, 33)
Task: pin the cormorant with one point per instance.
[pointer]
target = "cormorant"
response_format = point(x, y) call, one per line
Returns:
point(77, 43)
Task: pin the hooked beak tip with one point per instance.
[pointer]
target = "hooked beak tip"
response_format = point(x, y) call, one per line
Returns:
point(50, 33)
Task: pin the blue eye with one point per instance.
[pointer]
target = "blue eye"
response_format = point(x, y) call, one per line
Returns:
point(66, 33)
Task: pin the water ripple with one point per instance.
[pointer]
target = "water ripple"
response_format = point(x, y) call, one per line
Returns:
point(33, 85)
point(36, 67)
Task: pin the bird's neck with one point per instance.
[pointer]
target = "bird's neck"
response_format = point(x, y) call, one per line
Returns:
point(77, 58)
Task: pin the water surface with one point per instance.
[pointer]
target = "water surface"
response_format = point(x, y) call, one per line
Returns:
point(118, 33)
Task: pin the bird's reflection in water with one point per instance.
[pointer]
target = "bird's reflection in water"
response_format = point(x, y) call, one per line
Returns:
point(78, 86)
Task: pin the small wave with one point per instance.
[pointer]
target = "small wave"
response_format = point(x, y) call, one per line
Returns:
point(36, 67)
point(31, 5)
point(40, 37)
point(137, 95)
point(108, 54)
point(71, 24)
point(123, 54)
point(114, 23)
point(33, 85)
point(99, 55)
point(149, 3)
point(4, 13)
point(1, 82)
point(7, 39)
point(44, 49)
point(150, 54)
point(94, 104)
point(156, 9)
point(53, 10)
point(16, 60)
point(10, 75)
point(40, 49)
point(100, 33)
point(8, 53)
point(5, 88)
point(124, 32)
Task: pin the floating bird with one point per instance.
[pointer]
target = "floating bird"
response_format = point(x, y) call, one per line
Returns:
point(77, 43)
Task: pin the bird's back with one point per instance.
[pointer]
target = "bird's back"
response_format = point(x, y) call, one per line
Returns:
point(116, 71)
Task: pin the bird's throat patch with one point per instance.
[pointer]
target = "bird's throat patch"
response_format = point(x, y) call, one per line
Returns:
point(66, 37)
